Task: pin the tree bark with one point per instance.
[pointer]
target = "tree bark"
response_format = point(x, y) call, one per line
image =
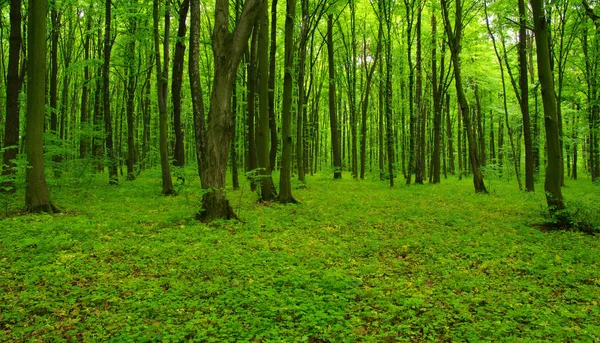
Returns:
point(454, 41)
point(335, 138)
point(552, 184)
point(161, 75)
point(37, 195)
point(365, 108)
point(196, 85)
point(13, 89)
point(524, 103)
point(113, 176)
point(285, 178)
point(131, 85)
point(267, 187)
point(272, 64)
point(179, 153)
point(228, 48)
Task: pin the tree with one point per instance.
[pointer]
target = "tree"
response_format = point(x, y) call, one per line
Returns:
point(37, 195)
point(13, 89)
point(454, 43)
point(113, 176)
point(179, 152)
point(228, 48)
point(365, 104)
point(266, 181)
point(161, 76)
point(285, 177)
point(335, 137)
point(131, 85)
point(552, 184)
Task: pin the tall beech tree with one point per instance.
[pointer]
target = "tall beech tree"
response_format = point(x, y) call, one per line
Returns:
point(228, 48)
point(285, 177)
point(179, 151)
point(161, 85)
point(454, 42)
point(113, 174)
point(552, 184)
point(263, 135)
point(14, 80)
point(335, 136)
point(37, 195)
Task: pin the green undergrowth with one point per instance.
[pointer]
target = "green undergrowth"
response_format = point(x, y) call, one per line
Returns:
point(356, 261)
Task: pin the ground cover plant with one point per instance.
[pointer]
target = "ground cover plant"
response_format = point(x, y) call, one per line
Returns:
point(356, 261)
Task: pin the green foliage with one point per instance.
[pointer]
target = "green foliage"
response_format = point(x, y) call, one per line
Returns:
point(357, 261)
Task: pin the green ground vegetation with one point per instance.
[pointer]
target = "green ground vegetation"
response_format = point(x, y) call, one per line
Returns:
point(354, 262)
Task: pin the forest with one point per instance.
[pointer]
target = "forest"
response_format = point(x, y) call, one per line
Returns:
point(299, 171)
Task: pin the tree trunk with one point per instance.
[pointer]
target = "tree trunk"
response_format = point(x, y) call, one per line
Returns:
point(437, 103)
point(285, 178)
point(365, 108)
point(272, 64)
point(420, 109)
point(13, 89)
point(449, 136)
point(524, 85)
point(335, 138)
point(552, 185)
point(37, 195)
point(388, 94)
point(267, 187)
point(227, 51)
point(131, 85)
point(303, 41)
point(251, 159)
point(113, 176)
point(179, 153)
point(196, 85)
point(161, 76)
point(84, 121)
point(454, 40)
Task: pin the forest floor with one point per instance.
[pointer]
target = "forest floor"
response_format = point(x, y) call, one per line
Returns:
point(355, 262)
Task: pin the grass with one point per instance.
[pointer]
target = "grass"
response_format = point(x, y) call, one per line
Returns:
point(355, 262)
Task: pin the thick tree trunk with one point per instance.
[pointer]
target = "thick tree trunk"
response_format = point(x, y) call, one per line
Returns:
point(335, 137)
point(552, 185)
point(113, 176)
point(37, 195)
point(179, 153)
point(13, 89)
point(161, 75)
point(267, 187)
point(227, 52)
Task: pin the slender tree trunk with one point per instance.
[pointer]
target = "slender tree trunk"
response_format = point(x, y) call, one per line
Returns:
point(449, 136)
point(524, 85)
point(37, 195)
point(420, 109)
point(13, 89)
point(335, 140)
point(552, 185)
point(251, 158)
point(84, 121)
point(437, 104)
point(285, 178)
point(113, 176)
point(365, 108)
point(131, 85)
point(179, 153)
point(272, 64)
point(454, 40)
point(388, 94)
point(161, 75)
point(267, 187)
point(411, 98)
point(196, 86)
